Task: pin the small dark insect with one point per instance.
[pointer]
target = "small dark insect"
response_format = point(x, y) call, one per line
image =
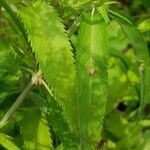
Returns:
point(92, 71)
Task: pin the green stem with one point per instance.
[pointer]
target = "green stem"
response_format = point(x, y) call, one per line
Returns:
point(120, 16)
point(103, 11)
point(74, 27)
point(47, 88)
point(111, 2)
point(16, 104)
point(141, 74)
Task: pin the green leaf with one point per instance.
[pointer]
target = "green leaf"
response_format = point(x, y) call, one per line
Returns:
point(6, 141)
point(35, 131)
point(79, 5)
point(116, 77)
point(116, 124)
point(76, 3)
point(14, 18)
point(120, 16)
point(103, 11)
point(136, 39)
point(53, 52)
point(92, 79)
point(60, 126)
point(143, 58)
point(60, 147)
point(145, 25)
point(111, 2)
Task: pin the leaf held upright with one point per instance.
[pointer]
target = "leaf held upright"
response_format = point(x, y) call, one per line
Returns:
point(92, 79)
point(53, 52)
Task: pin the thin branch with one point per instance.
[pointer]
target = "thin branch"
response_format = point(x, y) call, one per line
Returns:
point(141, 73)
point(111, 2)
point(47, 88)
point(16, 104)
point(20, 99)
point(74, 27)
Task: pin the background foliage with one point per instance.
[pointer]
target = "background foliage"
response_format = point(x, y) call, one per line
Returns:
point(82, 68)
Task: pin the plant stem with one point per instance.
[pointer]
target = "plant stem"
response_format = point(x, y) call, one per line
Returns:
point(48, 89)
point(141, 71)
point(16, 104)
point(74, 26)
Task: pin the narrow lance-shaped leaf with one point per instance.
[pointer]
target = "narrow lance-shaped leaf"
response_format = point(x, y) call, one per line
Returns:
point(92, 79)
point(36, 134)
point(61, 128)
point(6, 142)
point(53, 52)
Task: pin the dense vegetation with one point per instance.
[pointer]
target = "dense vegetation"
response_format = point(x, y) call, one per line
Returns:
point(74, 75)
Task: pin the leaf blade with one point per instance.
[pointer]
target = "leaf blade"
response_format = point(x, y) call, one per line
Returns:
point(143, 58)
point(53, 52)
point(6, 141)
point(36, 133)
point(92, 81)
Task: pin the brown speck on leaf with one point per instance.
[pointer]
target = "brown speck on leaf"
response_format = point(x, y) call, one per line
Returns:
point(92, 71)
point(142, 66)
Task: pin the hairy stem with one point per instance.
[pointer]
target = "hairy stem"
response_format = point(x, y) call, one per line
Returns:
point(16, 104)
